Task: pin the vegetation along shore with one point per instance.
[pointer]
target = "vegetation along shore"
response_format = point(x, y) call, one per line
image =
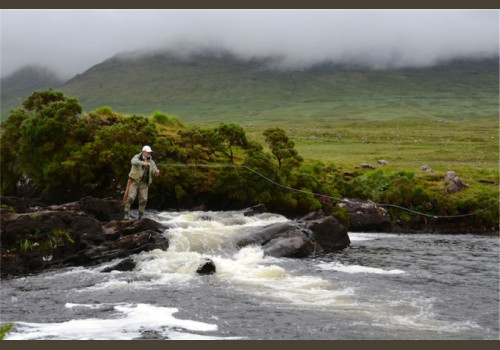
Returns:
point(53, 153)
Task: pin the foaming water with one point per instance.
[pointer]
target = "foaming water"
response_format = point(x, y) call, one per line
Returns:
point(130, 322)
point(335, 266)
point(384, 286)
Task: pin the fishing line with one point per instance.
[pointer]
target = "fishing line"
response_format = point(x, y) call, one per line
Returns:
point(314, 193)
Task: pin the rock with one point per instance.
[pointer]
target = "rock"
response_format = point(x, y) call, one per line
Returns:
point(455, 183)
point(314, 233)
point(368, 166)
point(314, 215)
point(25, 187)
point(426, 168)
point(74, 206)
point(256, 209)
point(329, 233)
point(127, 227)
point(264, 235)
point(489, 182)
point(102, 209)
point(366, 216)
point(124, 265)
point(382, 162)
point(201, 207)
point(207, 267)
point(291, 247)
point(18, 205)
point(64, 235)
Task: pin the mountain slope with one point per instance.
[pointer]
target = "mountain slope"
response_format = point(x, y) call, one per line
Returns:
point(16, 87)
point(215, 87)
point(211, 88)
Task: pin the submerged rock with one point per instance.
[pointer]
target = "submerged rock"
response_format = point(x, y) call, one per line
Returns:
point(207, 267)
point(124, 265)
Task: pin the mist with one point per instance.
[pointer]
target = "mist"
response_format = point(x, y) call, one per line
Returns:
point(71, 41)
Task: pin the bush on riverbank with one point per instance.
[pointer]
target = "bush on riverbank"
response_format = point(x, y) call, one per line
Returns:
point(67, 155)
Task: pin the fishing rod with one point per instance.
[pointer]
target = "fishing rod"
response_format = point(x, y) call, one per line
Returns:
point(314, 193)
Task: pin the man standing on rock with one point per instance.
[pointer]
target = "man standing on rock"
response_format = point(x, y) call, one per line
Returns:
point(140, 177)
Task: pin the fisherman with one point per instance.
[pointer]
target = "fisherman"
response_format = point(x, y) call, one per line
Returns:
point(140, 177)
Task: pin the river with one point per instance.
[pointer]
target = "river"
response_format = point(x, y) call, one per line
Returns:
point(383, 286)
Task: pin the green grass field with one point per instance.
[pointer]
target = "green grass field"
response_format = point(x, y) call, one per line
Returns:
point(469, 147)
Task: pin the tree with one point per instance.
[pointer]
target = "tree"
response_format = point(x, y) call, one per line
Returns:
point(231, 135)
point(39, 99)
point(196, 144)
point(38, 138)
point(11, 134)
point(282, 148)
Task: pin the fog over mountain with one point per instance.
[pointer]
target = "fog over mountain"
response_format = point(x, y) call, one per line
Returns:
point(71, 41)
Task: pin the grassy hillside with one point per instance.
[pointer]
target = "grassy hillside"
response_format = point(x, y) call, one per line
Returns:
point(209, 89)
point(445, 116)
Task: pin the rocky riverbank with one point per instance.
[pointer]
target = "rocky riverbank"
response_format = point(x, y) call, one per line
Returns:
point(36, 237)
point(92, 230)
point(82, 233)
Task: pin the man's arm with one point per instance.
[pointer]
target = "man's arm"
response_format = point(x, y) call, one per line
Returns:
point(136, 161)
point(153, 167)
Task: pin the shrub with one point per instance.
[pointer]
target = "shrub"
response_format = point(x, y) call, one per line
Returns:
point(163, 118)
point(4, 329)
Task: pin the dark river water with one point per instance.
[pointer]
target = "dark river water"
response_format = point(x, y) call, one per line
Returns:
point(384, 286)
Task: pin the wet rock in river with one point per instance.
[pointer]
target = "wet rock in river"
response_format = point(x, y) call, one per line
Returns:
point(366, 216)
point(206, 267)
point(124, 265)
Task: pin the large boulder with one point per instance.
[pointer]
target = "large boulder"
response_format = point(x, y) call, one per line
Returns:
point(265, 234)
point(314, 233)
point(366, 216)
point(295, 246)
point(329, 233)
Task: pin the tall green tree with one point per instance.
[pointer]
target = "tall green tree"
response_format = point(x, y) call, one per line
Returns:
point(42, 135)
point(282, 148)
point(9, 143)
point(231, 135)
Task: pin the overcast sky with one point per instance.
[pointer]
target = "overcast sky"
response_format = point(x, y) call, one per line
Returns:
point(71, 41)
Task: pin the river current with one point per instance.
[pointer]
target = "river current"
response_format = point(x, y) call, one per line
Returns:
point(383, 286)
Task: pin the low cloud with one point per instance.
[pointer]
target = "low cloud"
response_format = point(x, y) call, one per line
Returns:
point(71, 41)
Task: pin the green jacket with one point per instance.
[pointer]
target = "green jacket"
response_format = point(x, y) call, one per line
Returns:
point(138, 170)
